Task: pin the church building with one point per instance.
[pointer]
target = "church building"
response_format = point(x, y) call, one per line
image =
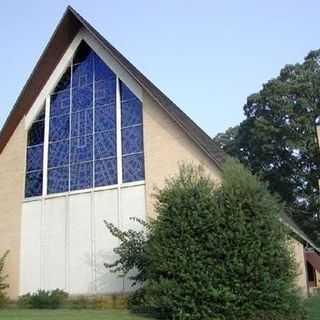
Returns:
point(88, 140)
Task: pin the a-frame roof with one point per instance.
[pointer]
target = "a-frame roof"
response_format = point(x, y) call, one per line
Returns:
point(67, 29)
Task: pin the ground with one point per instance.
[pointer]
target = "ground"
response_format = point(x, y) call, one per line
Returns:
point(67, 315)
point(312, 305)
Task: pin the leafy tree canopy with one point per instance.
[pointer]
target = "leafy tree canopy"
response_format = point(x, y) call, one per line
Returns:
point(277, 139)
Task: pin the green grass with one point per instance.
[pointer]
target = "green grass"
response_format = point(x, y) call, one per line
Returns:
point(67, 315)
point(313, 307)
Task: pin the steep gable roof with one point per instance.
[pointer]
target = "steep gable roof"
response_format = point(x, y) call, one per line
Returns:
point(67, 29)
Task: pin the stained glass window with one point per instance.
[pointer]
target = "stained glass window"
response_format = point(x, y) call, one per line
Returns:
point(58, 179)
point(83, 126)
point(131, 136)
point(105, 141)
point(34, 166)
point(82, 133)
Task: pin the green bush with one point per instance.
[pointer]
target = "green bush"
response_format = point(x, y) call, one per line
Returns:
point(3, 282)
point(43, 299)
point(217, 252)
point(24, 301)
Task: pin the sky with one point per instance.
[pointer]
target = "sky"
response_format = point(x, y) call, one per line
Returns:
point(208, 56)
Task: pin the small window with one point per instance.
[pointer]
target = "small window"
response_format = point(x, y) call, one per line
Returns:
point(34, 163)
point(131, 136)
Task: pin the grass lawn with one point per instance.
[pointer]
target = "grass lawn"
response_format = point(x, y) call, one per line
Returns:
point(67, 315)
point(313, 307)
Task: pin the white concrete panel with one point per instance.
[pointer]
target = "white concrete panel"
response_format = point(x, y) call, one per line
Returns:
point(132, 205)
point(55, 243)
point(30, 271)
point(64, 241)
point(80, 245)
point(106, 208)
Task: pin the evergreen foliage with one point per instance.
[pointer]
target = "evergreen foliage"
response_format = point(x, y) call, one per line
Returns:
point(217, 252)
point(3, 281)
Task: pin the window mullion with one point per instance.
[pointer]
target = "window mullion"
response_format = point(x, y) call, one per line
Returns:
point(46, 146)
point(93, 125)
point(70, 123)
point(118, 132)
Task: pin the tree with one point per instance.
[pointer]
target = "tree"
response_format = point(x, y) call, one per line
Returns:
point(217, 252)
point(277, 139)
point(226, 139)
point(3, 279)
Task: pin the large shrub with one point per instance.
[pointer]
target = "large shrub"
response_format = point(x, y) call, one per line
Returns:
point(3, 281)
point(218, 252)
point(43, 299)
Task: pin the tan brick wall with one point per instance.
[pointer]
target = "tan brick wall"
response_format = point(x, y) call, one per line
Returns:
point(166, 146)
point(12, 166)
point(298, 251)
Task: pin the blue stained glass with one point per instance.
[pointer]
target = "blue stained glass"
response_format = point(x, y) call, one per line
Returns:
point(105, 92)
point(82, 123)
point(35, 158)
point(106, 172)
point(102, 71)
point(41, 114)
point(131, 113)
point(82, 53)
point(60, 103)
point(33, 185)
point(132, 140)
point(132, 135)
point(58, 154)
point(81, 176)
point(82, 98)
point(34, 161)
point(58, 180)
point(81, 149)
point(105, 118)
point(133, 167)
point(59, 128)
point(36, 133)
point(125, 92)
point(64, 82)
point(105, 144)
point(83, 73)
